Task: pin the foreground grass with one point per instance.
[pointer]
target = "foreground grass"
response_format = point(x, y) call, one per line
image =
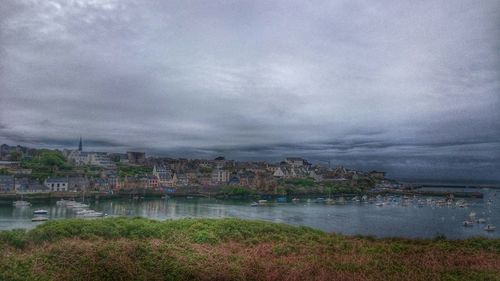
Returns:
point(232, 249)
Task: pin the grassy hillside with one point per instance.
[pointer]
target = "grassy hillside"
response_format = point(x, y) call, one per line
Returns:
point(232, 249)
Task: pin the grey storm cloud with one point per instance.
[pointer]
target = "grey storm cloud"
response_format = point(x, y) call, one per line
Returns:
point(408, 86)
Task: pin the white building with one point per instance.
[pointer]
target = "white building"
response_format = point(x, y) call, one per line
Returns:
point(220, 176)
point(57, 184)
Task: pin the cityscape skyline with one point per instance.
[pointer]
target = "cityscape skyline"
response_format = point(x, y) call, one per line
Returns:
point(409, 88)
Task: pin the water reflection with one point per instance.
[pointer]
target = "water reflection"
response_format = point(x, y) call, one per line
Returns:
point(391, 219)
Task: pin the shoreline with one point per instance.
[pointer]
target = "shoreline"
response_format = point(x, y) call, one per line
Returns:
point(8, 198)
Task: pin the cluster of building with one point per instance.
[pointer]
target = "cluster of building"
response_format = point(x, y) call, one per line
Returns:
point(175, 174)
point(102, 159)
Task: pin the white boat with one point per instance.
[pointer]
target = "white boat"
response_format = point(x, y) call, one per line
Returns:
point(481, 220)
point(40, 212)
point(21, 203)
point(468, 223)
point(490, 227)
point(254, 204)
point(295, 200)
point(92, 214)
point(64, 202)
point(77, 205)
point(380, 204)
point(40, 218)
point(82, 212)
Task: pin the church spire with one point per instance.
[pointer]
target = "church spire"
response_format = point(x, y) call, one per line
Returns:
point(80, 146)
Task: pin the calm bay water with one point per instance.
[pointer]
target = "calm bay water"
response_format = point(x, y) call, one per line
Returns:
point(391, 219)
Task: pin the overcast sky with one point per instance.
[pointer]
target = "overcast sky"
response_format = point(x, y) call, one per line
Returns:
point(411, 87)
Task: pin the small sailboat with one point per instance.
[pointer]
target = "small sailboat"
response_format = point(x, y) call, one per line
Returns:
point(21, 203)
point(489, 227)
point(468, 223)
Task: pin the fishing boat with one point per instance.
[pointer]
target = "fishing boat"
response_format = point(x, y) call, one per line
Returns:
point(40, 212)
point(490, 227)
point(21, 203)
point(467, 223)
point(40, 218)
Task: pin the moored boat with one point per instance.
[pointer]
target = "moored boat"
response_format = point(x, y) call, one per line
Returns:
point(21, 203)
point(40, 212)
point(467, 223)
point(92, 214)
point(490, 227)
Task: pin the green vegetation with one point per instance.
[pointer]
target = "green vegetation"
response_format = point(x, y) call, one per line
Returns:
point(232, 249)
point(336, 188)
point(46, 163)
point(300, 182)
point(308, 185)
point(236, 191)
point(4, 171)
point(131, 171)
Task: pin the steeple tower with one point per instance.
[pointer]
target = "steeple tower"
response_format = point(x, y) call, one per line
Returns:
point(80, 146)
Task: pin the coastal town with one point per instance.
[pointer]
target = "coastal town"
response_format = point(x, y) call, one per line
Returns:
point(28, 170)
